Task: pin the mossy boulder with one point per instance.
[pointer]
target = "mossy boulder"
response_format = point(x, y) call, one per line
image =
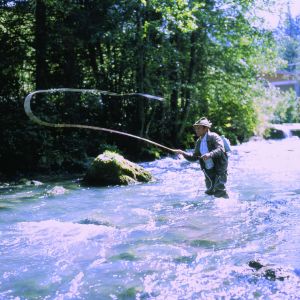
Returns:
point(111, 168)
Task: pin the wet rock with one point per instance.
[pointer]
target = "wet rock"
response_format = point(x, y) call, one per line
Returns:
point(111, 168)
point(296, 132)
point(255, 265)
point(89, 221)
point(36, 182)
point(57, 190)
point(280, 131)
point(269, 272)
point(25, 181)
point(274, 134)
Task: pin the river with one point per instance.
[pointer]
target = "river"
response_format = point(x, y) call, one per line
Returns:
point(160, 240)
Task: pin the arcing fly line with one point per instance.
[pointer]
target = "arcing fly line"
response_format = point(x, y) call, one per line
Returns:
point(35, 119)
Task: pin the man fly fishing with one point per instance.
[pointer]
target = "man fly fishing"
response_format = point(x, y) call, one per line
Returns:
point(210, 152)
point(209, 147)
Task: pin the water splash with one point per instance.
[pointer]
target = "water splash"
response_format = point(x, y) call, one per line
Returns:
point(159, 240)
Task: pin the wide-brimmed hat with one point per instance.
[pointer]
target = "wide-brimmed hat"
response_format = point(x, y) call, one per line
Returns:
point(203, 122)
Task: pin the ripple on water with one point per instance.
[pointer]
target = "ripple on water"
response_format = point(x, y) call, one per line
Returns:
point(62, 239)
point(162, 240)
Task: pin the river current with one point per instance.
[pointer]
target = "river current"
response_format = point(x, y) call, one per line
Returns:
point(161, 240)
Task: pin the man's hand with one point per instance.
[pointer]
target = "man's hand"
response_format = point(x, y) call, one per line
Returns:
point(205, 156)
point(179, 151)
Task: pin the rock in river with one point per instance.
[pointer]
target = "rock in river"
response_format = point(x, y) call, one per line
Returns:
point(268, 271)
point(111, 168)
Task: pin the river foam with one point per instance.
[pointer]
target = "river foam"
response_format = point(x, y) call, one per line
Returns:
point(161, 240)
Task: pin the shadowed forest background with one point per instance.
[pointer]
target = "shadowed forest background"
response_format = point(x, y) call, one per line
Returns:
point(204, 57)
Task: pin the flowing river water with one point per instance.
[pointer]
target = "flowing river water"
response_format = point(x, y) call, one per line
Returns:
point(160, 240)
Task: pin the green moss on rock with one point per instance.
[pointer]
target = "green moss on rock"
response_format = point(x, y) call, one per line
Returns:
point(111, 168)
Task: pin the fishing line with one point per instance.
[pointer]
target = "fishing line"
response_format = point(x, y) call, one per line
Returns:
point(211, 183)
point(35, 119)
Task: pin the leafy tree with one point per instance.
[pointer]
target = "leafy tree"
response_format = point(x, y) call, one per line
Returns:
point(288, 38)
point(202, 56)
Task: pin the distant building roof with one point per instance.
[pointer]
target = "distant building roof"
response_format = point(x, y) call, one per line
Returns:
point(285, 80)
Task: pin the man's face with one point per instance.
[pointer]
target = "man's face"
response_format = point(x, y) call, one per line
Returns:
point(200, 130)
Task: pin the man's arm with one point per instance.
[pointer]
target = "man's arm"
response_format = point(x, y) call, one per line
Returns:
point(218, 147)
point(191, 157)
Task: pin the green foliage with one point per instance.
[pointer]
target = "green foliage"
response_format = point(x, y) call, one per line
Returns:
point(110, 148)
point(283, 107)
point(288, 39)
point(287, 109)
point(274, 106)
point(202, 56)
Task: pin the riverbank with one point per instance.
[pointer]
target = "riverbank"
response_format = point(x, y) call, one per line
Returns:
point(273, 132)
point(36, 179)
point(282, 131)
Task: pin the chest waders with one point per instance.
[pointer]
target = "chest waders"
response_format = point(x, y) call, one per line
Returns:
point(215, 183)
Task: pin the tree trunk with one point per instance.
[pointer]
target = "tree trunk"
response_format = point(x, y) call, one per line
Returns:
point(93, 63)
point(71, 77)
point(40, 45)
point(174, 78)
point(191, 72)
point(140, 71)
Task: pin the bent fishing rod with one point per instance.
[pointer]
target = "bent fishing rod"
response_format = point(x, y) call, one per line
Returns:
point(34, 118)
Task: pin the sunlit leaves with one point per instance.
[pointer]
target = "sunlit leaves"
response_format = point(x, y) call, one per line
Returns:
point(178, 14)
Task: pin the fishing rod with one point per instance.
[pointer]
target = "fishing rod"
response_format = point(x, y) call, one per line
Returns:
point(34, 118)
